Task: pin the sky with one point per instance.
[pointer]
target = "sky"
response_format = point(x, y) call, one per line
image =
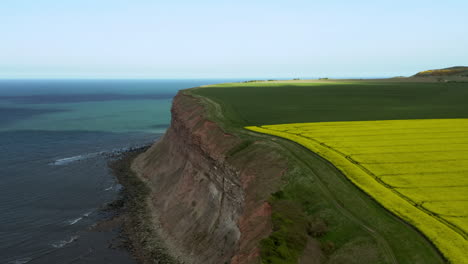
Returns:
point(230, 39)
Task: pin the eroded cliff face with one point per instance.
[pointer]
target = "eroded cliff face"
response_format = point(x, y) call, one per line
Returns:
point(209, 188)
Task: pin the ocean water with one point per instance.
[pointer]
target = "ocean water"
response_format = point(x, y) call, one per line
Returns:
point(56, 137)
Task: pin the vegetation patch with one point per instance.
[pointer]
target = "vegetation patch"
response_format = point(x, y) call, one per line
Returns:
point(458, 70)
point(241, 146)
point(289, 236)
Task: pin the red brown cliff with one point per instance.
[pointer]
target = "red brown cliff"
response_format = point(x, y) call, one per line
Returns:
point(209, 188)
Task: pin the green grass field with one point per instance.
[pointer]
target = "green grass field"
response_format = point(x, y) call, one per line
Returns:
point(358, 229)
point(281, 103)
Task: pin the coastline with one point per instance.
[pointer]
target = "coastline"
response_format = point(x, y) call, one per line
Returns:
point(134, 216)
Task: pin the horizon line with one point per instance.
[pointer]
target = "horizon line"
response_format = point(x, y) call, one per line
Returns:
point(196, 78)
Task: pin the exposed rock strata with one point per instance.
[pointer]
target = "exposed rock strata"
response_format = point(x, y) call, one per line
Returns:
point(210, 203)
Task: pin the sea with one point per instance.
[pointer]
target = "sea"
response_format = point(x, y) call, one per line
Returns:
point(56, 138)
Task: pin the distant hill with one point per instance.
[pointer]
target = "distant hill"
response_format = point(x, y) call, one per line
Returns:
point(458, 71)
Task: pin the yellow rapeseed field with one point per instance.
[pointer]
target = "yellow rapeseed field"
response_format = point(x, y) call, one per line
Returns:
point(418, 169)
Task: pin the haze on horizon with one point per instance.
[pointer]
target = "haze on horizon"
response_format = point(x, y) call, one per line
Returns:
point(229, 39)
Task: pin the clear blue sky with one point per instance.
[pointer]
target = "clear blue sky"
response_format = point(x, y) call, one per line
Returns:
point(238, 38)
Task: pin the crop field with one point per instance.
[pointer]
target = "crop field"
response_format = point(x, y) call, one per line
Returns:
point(280, 103)
point(417, 169)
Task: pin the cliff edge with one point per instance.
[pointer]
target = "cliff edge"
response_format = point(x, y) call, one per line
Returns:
point(209, 196)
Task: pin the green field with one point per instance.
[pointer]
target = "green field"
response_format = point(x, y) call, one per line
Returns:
point(358, 229)
point(281, 103)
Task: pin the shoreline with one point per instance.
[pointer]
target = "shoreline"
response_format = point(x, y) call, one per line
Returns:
point(133, 215)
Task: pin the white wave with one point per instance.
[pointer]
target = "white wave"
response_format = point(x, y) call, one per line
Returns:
point(62, 243)
point(116, 151)
point(87, 214)
point(115, 187)
point(65, 161)
point(74, 221)
point(20, 261)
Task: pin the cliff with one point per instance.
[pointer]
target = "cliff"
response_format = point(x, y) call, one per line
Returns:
point(208, 193)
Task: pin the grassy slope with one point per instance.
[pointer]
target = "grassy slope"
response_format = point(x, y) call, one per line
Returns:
point(358, 229)
point(452, 71)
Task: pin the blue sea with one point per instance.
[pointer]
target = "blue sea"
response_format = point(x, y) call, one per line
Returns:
point(56, 137)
